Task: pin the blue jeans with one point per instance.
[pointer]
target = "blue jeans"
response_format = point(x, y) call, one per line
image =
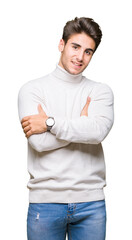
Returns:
point(82, 221)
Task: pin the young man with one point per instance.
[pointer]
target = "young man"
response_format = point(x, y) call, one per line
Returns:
point(65, 117)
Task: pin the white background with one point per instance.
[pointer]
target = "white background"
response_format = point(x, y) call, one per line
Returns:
point(30, 32)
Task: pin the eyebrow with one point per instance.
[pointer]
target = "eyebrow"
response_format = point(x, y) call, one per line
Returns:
point(89, 49)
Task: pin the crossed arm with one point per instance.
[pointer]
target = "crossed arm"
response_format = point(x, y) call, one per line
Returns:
point(93, 125)
point(35, 124)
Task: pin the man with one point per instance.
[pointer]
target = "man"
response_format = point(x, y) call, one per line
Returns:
point(65, 117)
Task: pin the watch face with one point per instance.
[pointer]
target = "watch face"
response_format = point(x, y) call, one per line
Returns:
point(50, 122)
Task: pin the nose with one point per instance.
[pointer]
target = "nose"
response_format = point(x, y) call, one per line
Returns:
point(80, 56)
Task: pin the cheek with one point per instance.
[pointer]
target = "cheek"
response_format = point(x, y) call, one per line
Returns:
point(67, 57)
point(87, 60)
point(69, 53)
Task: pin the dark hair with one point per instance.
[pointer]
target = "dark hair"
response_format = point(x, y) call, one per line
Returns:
point(86, 25)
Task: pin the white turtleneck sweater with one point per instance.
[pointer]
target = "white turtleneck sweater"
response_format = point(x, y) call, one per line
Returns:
point(67, 164)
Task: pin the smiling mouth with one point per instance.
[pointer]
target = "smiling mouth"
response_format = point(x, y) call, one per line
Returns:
point(77, 64)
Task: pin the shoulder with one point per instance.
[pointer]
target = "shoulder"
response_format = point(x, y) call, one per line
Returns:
point(99, 89)
point(103, 87)
point(33, 86)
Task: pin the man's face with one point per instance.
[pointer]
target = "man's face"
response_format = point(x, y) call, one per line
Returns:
point(76, 53)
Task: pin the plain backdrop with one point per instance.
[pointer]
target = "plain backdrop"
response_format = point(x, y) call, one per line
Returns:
point(30, 31)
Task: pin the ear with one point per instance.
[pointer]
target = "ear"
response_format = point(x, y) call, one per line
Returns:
point(61, 45)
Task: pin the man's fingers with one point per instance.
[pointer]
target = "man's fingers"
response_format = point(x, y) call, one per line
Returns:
point(25, 119)
point(85, 108)
point(26, 129)
point(40, 110)
point(28, 134)
point(88, 100)
point(87, 103)
point(25, 124)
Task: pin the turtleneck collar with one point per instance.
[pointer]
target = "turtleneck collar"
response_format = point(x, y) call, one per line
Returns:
point(63, 75)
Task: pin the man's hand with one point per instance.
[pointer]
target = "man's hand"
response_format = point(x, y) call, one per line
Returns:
point(84, 112)
point(34, 123)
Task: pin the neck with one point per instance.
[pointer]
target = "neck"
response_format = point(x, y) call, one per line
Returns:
point(63, 75)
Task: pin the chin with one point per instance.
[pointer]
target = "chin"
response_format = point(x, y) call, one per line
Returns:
point(74, 71)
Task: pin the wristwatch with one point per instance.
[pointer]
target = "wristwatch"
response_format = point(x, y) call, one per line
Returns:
point(49, 123)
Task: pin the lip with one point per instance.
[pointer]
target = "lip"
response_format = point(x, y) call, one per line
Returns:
point(77, 65)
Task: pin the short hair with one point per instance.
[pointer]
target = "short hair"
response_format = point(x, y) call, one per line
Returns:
point(83, 24)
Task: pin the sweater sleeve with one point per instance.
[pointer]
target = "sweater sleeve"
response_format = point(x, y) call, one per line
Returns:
point(28, 100)
point(91, 129)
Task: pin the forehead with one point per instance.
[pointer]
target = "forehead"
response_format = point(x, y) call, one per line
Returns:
point(82, 39)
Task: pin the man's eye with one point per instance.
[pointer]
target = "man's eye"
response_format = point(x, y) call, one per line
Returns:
point(75, 47)
point(88, 52)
